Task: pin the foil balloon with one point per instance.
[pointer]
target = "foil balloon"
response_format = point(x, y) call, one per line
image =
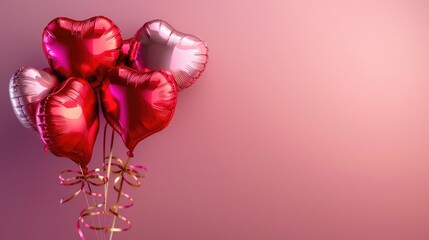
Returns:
point(27, 87)
point(86, 49)
point(137, 104)
point(125, 51)
point(67, 120)
point(158, 46)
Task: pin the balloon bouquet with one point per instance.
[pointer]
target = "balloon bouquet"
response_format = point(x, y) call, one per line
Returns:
point(135, 81)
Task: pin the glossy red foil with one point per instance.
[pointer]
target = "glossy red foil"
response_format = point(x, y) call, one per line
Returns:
point(125, 53)
point(67, 120)
point(158, 46)
point(137, 104)
point(86, 49)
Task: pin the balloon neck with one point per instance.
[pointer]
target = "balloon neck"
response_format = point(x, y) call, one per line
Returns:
point(130, 154)
point(46, 148)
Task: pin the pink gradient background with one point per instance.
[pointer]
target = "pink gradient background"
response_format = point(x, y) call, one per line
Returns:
point(311, 121)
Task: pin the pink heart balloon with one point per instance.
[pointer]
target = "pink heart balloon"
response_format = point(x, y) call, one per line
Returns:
point(158, 46)
point(27, 87)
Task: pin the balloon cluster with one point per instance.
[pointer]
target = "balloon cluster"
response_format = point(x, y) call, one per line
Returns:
point(135, 82)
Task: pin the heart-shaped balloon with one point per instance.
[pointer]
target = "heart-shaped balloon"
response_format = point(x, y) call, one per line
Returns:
point(67, 120)
point(137, 104)
point(27, 87)
point(86, 49)
point(158, 46)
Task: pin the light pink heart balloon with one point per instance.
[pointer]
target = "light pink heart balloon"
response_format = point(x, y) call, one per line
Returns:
point(158, 46)
point(27, 87)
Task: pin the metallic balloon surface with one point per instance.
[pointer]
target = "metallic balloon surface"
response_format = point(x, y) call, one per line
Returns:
point(68, 120)
point(125, 53)
point(158, 46)
point(27, 87)
point(137, 104)
point(86, 49)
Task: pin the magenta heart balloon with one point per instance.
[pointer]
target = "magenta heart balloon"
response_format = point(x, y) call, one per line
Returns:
point(86, 49)
point(27, 87)
point(158, 46)
point(137, 104)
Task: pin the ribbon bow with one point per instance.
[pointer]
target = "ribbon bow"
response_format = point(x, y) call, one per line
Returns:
point(131, 175)
point(124, 169)
point(82, 178)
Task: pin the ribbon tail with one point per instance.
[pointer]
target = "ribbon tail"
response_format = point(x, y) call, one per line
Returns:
point(86, 178)
point(114, 210)
point(88, 212)
point(130, 175)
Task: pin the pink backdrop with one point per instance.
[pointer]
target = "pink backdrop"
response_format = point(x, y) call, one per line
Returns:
point(310, 122)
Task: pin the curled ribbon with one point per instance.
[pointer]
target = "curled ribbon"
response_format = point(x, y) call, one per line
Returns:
point(130, 174)
point(83, 178)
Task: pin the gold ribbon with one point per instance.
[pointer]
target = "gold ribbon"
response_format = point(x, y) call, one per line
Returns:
point(82, 178)
point(129, 174)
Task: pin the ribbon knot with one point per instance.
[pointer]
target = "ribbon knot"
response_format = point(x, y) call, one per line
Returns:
point(82, 177)
point(129, 173)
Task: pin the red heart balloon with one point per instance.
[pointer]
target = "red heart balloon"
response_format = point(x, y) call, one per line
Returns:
point(67, 120)
point(137, 104)
point(86, 49)
point(158, 46)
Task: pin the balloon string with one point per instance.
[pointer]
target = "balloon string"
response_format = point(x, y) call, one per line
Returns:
point(82, 178)
point(107, 177)
point(114, 209)
point(106, 187)
point(87, 203)
point(130, 175)
point(87, 212)
point(109, 167)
